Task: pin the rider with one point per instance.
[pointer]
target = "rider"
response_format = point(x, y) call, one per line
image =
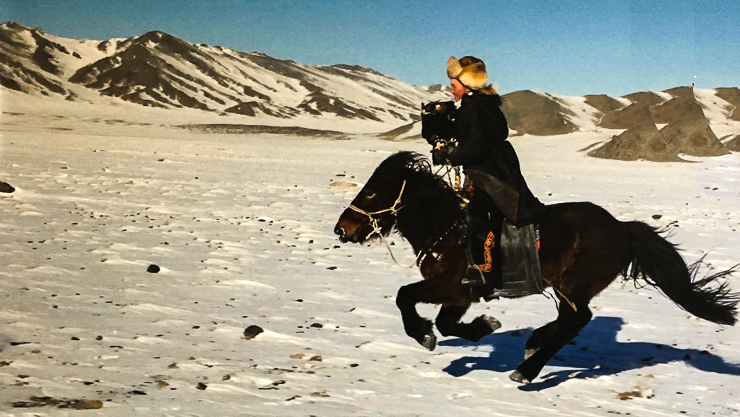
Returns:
point(488, 159)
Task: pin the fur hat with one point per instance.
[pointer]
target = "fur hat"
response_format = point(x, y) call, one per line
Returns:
point(469, 70)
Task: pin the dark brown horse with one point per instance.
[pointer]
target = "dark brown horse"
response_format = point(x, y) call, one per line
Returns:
point(583, 249)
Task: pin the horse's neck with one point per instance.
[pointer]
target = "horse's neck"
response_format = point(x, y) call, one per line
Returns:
point(425, 224)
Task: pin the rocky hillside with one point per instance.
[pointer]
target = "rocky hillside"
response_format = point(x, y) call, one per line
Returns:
point(642, 140)
point(686, 127)
point(732, 142)
point(160, 70)
point(538, 113)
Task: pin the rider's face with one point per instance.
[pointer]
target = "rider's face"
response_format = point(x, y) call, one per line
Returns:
point(457, 89)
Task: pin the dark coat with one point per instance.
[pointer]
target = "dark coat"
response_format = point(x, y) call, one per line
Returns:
point(484, 151)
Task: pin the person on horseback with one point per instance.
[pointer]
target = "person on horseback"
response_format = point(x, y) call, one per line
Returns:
point(492, 178)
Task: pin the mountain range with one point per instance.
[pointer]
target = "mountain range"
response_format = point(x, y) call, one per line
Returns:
point(161, 70)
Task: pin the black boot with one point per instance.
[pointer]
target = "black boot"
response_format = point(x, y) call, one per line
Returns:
point(521, 273)
point(474, 276)
point(474, 242)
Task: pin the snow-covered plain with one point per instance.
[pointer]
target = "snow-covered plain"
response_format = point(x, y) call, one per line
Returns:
point(241, 227)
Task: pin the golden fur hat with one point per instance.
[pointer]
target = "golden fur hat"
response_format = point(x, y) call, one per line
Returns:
point(470, 71)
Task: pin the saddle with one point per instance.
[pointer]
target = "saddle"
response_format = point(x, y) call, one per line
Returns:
point(509, 261)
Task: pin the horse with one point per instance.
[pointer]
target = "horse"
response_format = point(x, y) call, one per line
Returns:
point(583, 250)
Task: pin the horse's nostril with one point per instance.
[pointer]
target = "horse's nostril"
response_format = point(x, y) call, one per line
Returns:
point(340, 231)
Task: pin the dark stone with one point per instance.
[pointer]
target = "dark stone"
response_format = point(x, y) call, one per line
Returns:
point(153, 269)
point(252, 331)
point(6, 188)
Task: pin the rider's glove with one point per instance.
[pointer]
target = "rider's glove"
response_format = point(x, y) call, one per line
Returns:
point(440, 156)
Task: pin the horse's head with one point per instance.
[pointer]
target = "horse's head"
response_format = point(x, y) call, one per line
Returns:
point(437, 121)
point(374, 210)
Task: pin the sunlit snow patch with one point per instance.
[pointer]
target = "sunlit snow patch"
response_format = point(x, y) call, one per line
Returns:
point(720, 176)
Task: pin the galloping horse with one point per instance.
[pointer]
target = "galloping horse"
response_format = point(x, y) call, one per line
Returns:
point(583, 249)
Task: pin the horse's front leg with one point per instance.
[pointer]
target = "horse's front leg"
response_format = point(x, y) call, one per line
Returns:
point(448, 323)
point(416, 326)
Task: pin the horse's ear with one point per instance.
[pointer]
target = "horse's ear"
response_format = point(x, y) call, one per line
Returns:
point(422, 104)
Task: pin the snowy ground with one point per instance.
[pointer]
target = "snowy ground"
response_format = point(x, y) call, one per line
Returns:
point(241, 227)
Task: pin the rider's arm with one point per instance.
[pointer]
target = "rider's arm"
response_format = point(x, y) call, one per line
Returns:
point(478, 130)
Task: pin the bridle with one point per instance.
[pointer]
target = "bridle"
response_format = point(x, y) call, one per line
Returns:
point(394, 209)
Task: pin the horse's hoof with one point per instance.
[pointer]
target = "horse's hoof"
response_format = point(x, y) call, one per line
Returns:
point(429, 341)
point(517, 376)
point(492, 322)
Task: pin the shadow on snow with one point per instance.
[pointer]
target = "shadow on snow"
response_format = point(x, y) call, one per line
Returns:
point(595, 352)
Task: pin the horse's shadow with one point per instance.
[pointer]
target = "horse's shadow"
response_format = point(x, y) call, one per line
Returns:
point(595, 352)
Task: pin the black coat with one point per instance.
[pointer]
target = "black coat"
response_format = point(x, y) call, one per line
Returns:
point(481, 132)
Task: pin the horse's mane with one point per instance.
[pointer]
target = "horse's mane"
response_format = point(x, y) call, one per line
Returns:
point(435, 206)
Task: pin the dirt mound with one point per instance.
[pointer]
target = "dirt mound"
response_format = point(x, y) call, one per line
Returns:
point(732, 96)
point(604, 103)
point(682, 105)
point(679, 108)
point(732, 142)
point(688, 129)
point(535, 114)
point(645, 97)
point(693, 139)
point(681, 92)
point(624, 118)
point(641, 141)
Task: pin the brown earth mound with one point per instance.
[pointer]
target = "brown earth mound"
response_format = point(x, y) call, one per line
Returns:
point(624, 118)
point(604, 103)
point(679, 108)
point(693, 136)
point(732, 96)
point(645, 97)
point(732, 142)
point(535, 114)
point(681, 92)
point(641, 141)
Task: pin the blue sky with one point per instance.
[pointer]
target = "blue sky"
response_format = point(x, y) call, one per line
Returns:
point(566, 47)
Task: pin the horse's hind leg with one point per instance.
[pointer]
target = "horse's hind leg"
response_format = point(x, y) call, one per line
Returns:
point(448, 323)
point(539, 337)
point(567, 326)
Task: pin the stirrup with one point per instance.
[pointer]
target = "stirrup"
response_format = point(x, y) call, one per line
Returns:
point(474, 277)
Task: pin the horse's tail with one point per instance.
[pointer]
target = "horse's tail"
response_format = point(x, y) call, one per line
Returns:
point(657, 261)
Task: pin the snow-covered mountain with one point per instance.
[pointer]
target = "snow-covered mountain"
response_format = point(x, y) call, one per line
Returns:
point(160, 70)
